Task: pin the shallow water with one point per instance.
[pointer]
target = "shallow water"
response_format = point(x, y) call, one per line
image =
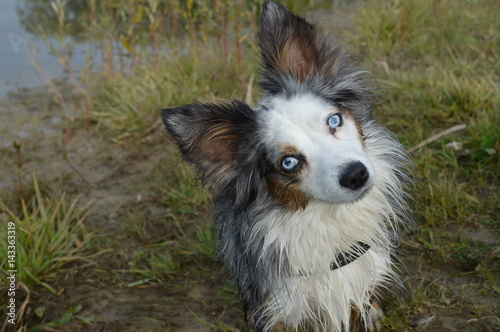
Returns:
point(28, 110)
point(16, 69)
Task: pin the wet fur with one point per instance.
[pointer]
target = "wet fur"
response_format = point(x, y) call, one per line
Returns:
point(278, 240)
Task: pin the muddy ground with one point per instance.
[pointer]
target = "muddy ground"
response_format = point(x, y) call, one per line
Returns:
point(198, 298)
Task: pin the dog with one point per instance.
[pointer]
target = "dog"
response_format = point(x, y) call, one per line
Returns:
point(309, 189)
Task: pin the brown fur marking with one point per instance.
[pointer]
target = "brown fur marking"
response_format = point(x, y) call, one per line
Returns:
point(284, 186)
point(287, 193)
point(289, 150)
point(298, 56)
point(219, 143)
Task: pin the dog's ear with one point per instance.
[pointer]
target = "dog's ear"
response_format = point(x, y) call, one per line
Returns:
point(288, 43)
point(209, 135)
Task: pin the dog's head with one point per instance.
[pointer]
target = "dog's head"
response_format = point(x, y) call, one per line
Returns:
point(306, 141)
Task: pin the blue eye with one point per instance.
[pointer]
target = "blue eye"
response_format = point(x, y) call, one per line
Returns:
point(334, 121)
point(289, 164)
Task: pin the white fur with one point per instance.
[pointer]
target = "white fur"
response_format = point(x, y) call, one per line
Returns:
point(302, 122)
point(311, 238)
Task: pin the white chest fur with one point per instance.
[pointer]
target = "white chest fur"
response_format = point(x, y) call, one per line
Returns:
point(310, 240)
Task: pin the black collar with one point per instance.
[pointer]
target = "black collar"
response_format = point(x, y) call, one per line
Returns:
point(345, 258)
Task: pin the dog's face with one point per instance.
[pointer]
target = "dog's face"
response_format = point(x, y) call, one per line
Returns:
point(317, 149)
point(304, 142)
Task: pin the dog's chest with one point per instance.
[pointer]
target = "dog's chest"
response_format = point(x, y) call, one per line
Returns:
point(311, 240)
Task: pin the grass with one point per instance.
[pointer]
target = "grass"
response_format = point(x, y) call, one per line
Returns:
point(154, 262)
point(50, 234)
point(68, 316)
point(129, 105)
point(187, 206)
point(439, 67)
point(181, 191)
point(192, 237)
point(436, 64)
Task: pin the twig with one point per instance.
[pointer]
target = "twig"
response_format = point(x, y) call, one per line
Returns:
point(437, 136)
point(74, 168)
point(112, 214)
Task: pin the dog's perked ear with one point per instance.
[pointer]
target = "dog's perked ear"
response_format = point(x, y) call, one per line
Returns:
point(287, 42)
point(295, 55)
point(211, 135)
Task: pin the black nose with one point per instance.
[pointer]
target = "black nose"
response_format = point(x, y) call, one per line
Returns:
point(355, 176)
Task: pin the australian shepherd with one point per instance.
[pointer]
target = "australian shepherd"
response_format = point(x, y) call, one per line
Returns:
point(309, 189)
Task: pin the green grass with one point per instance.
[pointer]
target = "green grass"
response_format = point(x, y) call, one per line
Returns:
point(438, 66)
point(130, 105)
point(154, 262)
point(180, 190)
point(50, 234)
point(187, 205)
point(68, 316)
point(189, 224)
